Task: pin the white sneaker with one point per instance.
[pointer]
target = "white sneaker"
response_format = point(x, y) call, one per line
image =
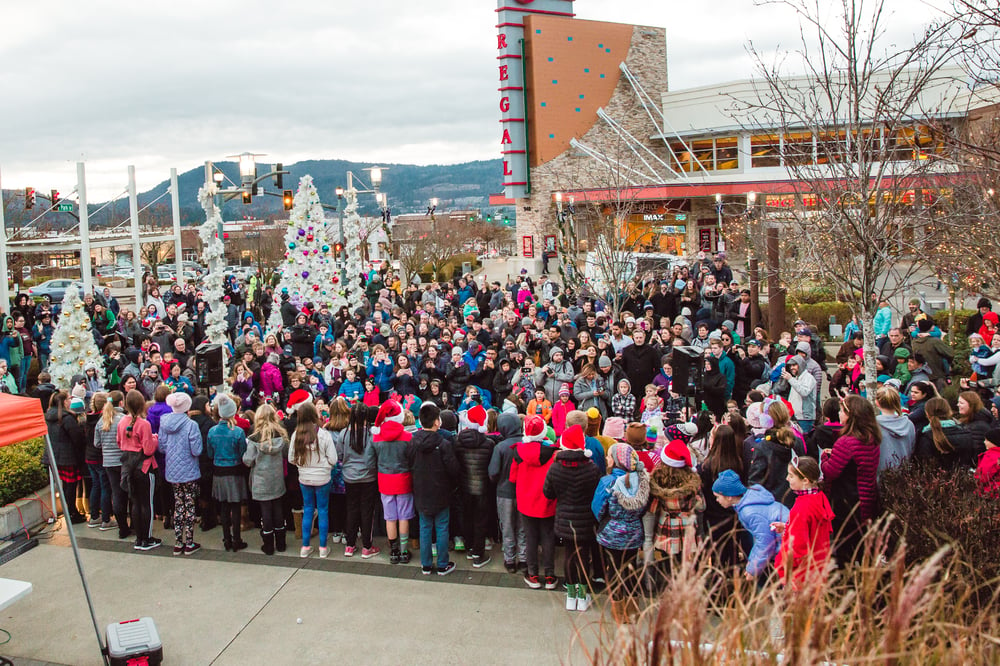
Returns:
point(305, 551)
point(323, 552)
point(571, 600)
point(582, 598)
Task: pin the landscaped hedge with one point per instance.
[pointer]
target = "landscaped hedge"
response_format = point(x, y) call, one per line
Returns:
point(817, 314)
point(21, 470)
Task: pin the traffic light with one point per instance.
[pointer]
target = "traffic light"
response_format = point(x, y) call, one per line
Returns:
point(338, 249)
point(54, 195)
point(225, 235)
point(29, 198)
point(279, 180)
point(286, 199)
point(489, 218)
point(247, 197)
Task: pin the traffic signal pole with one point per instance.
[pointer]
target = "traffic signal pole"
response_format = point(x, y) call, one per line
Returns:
point(4, 289)
point(81, 188)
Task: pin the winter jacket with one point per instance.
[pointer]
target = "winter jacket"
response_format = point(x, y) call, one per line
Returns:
point(675, 508)
point(502, 457)
point(641, 363)
point(980, 424)
point(584, 394)
point(156, 412)
point(769, 466)
point(805, 545)
point(935, 352)
point(107, 441)
point(850, 471)
point(271, 385)
point(140, 440)
point(356, 467)
point(381, 374)
point(756, 510)
point(180, 443)
point(571, 482)
point(266, 460)
point(435, 471)
point(988, 473)
point(66, 436)
point(303, 336)
point(319, 461)
point(560, 410)
point(528, 472)
point(226, 446)
point(562, 373)
point(713, 386)
point(962, 442)
point(388, 458)
point(898, 440)
point(619, 509)
point(474, 450)
point(803, 395)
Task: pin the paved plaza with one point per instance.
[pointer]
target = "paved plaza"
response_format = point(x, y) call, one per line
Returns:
point(242, 608)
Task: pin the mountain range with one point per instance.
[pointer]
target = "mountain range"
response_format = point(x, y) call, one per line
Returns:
point(408, 187)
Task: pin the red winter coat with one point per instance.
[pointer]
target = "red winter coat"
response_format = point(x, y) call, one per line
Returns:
point(849, 470)
point(805, 544)
point(988, 473)
point(527, 472)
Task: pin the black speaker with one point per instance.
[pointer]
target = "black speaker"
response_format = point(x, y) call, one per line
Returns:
point(209, 365)
point(689, 365)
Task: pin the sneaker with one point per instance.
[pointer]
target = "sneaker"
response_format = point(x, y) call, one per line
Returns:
point(459, 544)
point(394, 556)
point(179, 549)
point(480, 561)
point(404, 557)
point(77, 519)
point(426, 570)
point(448, 568)
point(489, 544)
point(154, 543)
point(113, 524)
point(532, 581)
point(367, 553)
point(337, 537)
point(510, 567)
point(571, 600)
point(469, 555)
point(192, 548)
point(94, 522)
point(324, 552)
point(551, 582)
point(348, 551)
point(582, 597)
point(305, 551)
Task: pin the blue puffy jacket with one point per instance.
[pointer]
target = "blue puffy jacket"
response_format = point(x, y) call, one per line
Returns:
point(756, 511)
point(381, 374)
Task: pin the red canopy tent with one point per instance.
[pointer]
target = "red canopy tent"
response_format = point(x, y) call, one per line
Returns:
point(22, 419)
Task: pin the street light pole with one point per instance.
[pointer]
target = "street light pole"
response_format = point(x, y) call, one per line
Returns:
point(343, 240)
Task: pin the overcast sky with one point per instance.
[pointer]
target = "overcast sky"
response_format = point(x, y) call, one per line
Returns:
point(171, 84)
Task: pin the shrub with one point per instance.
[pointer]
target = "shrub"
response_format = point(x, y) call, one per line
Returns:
point(961, 318)
point(818, 314)
point(815, 294)
point(21, 470)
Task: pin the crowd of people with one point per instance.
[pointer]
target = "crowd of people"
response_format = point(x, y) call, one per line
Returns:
point(481, 417)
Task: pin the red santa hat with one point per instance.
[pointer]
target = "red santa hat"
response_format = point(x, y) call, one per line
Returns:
point(389, 422)
point(474, 419)
point(676, 454)
point(298, 397)
point(573, 440)
point(534, 428)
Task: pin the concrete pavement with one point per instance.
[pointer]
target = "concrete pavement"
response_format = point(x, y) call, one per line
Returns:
point(241, 608)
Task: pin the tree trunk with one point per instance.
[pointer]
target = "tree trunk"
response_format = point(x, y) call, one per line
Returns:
point(951, 315)
point(870, 352)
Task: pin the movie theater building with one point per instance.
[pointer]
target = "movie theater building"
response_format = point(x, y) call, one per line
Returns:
point(586, 114)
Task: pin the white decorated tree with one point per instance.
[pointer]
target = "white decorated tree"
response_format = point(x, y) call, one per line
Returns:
point(353, 292)
point(308, 272)
point(73, 345)
point(213, 253)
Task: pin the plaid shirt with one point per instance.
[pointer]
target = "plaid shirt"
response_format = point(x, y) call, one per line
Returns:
point(623, 406)
point(674, 517)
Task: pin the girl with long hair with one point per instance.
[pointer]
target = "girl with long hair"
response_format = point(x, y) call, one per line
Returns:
point(351, 431)
point(850, 471)
point(943, 440)
point(267, 447)
point(138, 445)
point(106, 439)
point(773, 452)
point(226, 444)
point(725, 452)
point(313, 453)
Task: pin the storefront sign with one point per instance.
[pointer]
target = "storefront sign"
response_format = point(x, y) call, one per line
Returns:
point(528, 247)
point(510, 76)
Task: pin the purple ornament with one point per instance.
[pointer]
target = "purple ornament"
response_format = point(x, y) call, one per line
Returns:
point(302, 232)
point(305, 274)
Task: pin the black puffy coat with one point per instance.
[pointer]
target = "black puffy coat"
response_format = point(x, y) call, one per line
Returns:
point(769, 466)
point(474, 450)
point(571, 482)
point(67, 438)
point(960, 457)
point(303, 337)
point(434, 469)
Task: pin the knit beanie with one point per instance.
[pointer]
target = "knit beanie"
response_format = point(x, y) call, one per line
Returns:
point(635, 435)
point(179, 402)
point(624, 457)
point(77, 405)
point(729, 485)
point(614, 428)
point(226, 406)
point(593, 422)
point(564, 390)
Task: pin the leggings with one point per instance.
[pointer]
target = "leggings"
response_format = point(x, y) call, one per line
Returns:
point(362, 500)
point(143, 489)
point(185, 499)
point(231, 522)
point(271, 513)
point(119, 499)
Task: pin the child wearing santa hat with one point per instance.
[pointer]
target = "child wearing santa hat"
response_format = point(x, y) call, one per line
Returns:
point(533, 457)
point(675, 489)
point(387, 455)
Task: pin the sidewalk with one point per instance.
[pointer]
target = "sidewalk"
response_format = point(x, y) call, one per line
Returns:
point(241, 608)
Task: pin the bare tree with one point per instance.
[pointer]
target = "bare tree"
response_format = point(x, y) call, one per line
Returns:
point(426, 244)
point(849, 133)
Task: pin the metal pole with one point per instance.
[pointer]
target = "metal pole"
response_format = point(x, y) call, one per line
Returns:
point(775, 294)
point(133, 211)
point(754, 278)
point(85, 267)
point(343, 241)
point(175, 209)
point(4, 291)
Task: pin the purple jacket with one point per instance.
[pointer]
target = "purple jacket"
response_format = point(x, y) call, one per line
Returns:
point(270, 380)
point(156, 412)
point(662, 383)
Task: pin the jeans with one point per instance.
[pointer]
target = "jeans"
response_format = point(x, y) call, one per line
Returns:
point(805, 425)
point(43, 362)
point(315, 500)
point(22, 375)
point(362, 501)
point(438, 523)
point(119, 499)
point(512, 529)
point(100, 492)
point(540, 532)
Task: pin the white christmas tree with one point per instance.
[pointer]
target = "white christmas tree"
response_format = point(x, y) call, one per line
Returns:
point(308, 272)
point(353, 291)
point(213, 252)
point(73, 346)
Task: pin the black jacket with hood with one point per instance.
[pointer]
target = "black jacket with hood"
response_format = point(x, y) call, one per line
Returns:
point(67, 437)
point(510, 429)
point(434, 469)
point(474, 450)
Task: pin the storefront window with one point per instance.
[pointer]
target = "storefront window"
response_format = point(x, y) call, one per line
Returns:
point(727, 153)
point(706, 154)
point(798, 149)
point(765, 150)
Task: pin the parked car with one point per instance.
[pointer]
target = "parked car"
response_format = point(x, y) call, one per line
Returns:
point(56, 290)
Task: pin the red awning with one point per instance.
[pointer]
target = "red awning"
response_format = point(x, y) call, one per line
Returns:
point(20, 419)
